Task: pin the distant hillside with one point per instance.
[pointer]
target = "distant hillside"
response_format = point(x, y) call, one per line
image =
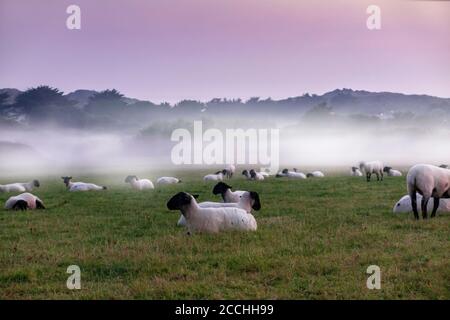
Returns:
point(110, 108)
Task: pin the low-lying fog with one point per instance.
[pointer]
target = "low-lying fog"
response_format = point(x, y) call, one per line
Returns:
point(58, 151)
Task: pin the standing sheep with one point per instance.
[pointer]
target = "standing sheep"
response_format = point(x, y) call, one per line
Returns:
point(370, 167)
point(429, 181)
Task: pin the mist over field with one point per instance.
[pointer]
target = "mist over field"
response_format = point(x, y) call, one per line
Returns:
point(43, 130)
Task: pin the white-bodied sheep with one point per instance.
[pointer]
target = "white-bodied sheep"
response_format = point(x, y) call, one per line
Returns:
point(392, 172)
point(210, 220)
point(356, 172)
point(256, 175)
point(24, 201)
point(228, 196)
point(404, 205)
point(139, 184)
point(372, 167)
point(249, 201)
point(246, 174)
point(293, 174)
point(167, 180)
point(20, 186)
point(80, 186)
point(429, 181)
point(315, 174)
point(218, 176)
point(230, 170)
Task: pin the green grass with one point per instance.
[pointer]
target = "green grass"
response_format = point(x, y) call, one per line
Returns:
point(315, 240)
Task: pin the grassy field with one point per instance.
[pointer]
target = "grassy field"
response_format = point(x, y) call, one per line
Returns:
point(315, 240)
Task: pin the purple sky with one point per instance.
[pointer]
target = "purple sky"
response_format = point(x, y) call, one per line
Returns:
point(167, 50)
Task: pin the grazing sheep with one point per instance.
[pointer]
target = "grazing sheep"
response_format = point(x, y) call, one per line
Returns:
point(230, 170)
point(392, 172)
point(370, 167)
point(218, 176)
point(210, 220)
point(228, 196)
point(404, 205)
point(20, 186)
point(80, 186)
point(315, 174)
point(429, 181)
point(167, 180)
point(139, 184)
point(356, 172)
point(24, 201)
point(256, 175)
point(248, 201)
point(293, 174)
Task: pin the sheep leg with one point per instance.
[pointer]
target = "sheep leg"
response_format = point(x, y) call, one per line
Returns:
point(378, 176)
point(424, 207)
point(368, 174)
point(435, 207)
point(381, 172)
point(413, 197)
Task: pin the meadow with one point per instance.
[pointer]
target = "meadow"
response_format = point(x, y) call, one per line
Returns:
point(315, 240)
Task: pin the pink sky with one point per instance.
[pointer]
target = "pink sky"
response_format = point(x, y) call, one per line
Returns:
point(168, 50)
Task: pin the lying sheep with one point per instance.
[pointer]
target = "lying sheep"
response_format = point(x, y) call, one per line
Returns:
point(315, 174)
point(228, 196)
point(80, 186)
point(356, 172)
point(248, 201)
point(167, 180)
point(210, 220)
point(429, 181)
point(391, 172)
point(20, 186)
point(293, 174)
point(139, 184)
point(218, 176)
point(258, 176)
point(372, 167)
point(24, 201)
point(246, 174)
point(404, 205)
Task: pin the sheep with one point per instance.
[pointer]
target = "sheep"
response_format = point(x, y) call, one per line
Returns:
point(248, 201)
point(293, 174)
point(167, 180)
point(80, 186)
point(392, 172)
point(218, 176)
point(228, 196)
point(429, 181)
point(404, 205)
point(444, 166)
point(355, 172)
point(256, 175)
point(139, 184)
point(370, 167)
point(230, 170)
point(24, 201)
point(315, 174)
point(20, 186)
point(210, 220)
point(246, 174)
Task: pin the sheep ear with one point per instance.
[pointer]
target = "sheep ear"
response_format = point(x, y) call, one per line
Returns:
point(195, 196)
